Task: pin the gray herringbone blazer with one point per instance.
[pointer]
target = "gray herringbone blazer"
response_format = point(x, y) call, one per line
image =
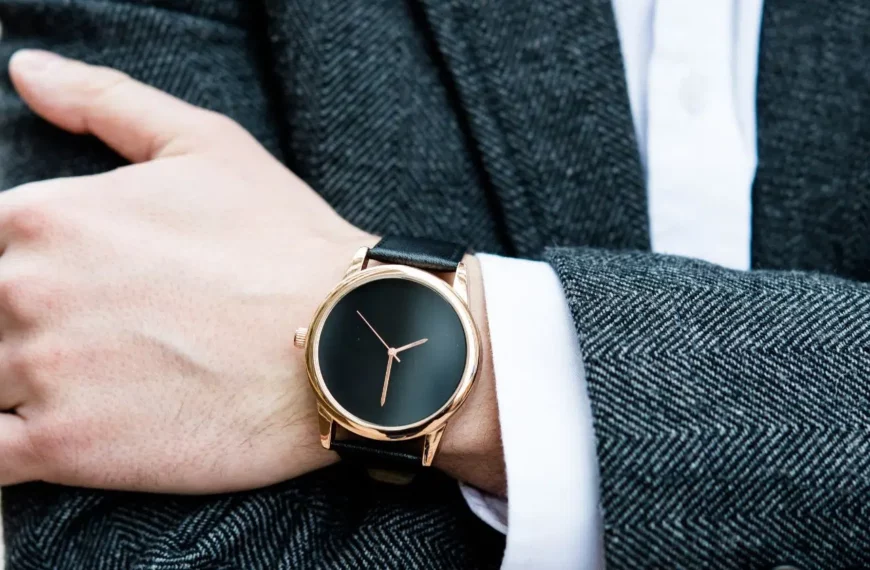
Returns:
point(732, 409)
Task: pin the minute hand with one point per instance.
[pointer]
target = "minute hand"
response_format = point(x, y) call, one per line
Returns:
point(383, 342)
point(412, 345)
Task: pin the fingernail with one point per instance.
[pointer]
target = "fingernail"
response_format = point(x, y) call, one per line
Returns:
point(33, 60)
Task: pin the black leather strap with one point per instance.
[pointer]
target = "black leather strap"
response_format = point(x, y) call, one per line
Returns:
point(389, 455)
point(428, 254)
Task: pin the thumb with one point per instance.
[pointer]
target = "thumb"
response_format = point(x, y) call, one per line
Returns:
point(139, 122)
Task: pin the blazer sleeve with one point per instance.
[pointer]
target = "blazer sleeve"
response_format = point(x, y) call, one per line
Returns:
point(731, 410)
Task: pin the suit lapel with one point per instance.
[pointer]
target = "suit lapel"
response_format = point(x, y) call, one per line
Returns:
point(543, 88)
point(811, 198)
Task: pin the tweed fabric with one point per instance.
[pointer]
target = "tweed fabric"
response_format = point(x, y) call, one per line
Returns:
point(728, 407)
point(731, 411)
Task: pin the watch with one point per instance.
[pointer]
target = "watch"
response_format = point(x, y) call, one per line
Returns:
point(392, 353)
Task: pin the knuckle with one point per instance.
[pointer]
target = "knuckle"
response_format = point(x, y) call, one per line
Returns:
point(41, 366)
point(22, 364)
point(64, 445)
point(28, 455)
point(218, 124)
point(26, 299)
point(14, 295)
point(22, 462)
point(108, 81)
point(41, 359)
point(29, 222)
point(48, 443)
point(18, 364)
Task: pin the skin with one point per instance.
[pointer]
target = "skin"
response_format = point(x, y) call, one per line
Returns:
point(147, 314)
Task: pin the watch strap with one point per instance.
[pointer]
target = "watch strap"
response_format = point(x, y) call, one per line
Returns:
point(422, 253)
point(389, 455)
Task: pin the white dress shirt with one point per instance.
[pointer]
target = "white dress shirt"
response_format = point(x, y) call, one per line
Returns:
point(691, 71)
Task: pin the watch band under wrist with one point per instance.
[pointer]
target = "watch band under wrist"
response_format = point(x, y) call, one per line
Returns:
point(422, 253)
point(390, 455)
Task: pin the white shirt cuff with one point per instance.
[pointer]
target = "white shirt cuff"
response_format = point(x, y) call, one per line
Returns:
point(552, 518)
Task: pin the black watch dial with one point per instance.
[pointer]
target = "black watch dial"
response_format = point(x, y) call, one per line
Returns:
point(392, 352)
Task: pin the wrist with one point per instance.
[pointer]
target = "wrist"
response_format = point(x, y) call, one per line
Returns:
point(332, 252)
point(471, 450)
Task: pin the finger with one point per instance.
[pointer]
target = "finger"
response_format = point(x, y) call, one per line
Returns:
point(16, 460)
point(139, 122)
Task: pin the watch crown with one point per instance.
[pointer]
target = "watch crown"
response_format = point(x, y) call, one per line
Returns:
point(301, 337)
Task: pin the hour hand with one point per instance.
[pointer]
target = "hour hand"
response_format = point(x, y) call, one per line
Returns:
point(412, 345)
point(368, 324)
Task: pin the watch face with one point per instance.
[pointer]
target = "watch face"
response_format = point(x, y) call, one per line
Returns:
point(392, 352)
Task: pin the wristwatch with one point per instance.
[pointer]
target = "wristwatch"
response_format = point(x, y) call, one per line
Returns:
point(392, 353)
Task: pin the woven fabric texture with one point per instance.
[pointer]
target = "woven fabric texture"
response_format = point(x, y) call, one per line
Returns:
point(731, 409)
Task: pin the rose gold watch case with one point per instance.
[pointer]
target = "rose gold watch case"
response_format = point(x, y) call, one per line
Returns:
point(432, 427)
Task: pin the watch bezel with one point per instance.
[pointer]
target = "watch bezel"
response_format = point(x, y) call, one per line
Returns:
point(330, 406)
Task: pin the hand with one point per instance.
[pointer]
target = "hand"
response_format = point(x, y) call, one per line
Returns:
point(147, 313)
